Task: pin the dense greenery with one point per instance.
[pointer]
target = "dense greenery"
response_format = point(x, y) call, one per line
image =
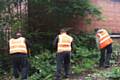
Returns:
point(54, 14)
point(45, 18)
point(44, 66)
point(83, 58)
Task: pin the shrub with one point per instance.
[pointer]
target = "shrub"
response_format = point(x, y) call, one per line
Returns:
point(85, 55)
point(82, 59)
point(44, 63)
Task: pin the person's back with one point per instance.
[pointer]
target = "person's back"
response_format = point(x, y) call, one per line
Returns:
point(19, 53)
point(64, 42)
point(104, 41)
point(104, 38)
point(64, 47)
point(18, 45)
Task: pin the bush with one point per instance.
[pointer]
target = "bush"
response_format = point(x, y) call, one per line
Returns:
point(86, 40)
point(44, 63)
point(85, 54)
point(82, 59)
point(114, 73)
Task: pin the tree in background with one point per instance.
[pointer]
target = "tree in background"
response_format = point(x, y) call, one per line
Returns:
point(46, 17)
point(54, 14)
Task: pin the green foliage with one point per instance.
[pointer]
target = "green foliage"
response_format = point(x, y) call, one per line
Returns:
point(44, 63)
point(86, 40)
point(16, 24)
point(84, 59)
point(88, 64)
point(4, 55)
point(115, 57)
point(2, 5)
point(69, 8)
point(114, 73)
point(85, 55)
point(88, 78)
point(55, 14)
point(2, 39)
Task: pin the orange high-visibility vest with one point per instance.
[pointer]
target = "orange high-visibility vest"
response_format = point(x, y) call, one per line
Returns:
point(104, 38)
point(17, 46)
point(64, 42)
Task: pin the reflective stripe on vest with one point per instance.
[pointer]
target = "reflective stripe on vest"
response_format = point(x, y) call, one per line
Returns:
point(64, 43)
point(104, 38)
point(18, 46)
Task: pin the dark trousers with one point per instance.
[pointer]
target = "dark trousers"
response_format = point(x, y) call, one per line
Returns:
point(63, 60)
point(20, 65)
point(105, 56)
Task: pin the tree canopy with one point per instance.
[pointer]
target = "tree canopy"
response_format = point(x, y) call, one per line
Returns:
point(57, 13)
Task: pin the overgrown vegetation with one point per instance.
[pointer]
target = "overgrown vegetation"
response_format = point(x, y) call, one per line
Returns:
point(54, 14)
point(82, 59)
point(48, 17)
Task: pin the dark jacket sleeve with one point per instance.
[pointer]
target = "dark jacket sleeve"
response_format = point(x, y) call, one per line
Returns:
point(28, 45)
point(55, 42)
point(72, 45)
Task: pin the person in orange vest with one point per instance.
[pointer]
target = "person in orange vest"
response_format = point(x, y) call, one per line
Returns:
point(18, 49)
point(63, 42)
point(104, 42)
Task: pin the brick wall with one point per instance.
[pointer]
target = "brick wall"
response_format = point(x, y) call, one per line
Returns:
point(111, 12)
